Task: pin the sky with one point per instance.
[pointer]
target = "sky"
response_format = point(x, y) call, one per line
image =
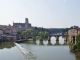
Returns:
point(41, 13)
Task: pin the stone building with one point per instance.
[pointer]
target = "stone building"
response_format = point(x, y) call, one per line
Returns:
point(9, 29)
point(1, 31)
point(17, 27)
point(73, 33)
point(22, 25)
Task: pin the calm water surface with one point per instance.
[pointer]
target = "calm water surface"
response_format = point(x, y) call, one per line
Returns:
point(43, 50)
point(53, 50)
point(8, 51)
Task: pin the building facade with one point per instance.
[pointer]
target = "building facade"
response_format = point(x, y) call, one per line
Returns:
point(22, 25)
point(17, 27)
point(1, 31)
point(73, 33)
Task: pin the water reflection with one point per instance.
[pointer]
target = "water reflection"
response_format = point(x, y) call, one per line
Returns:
point(34, 42)
point(65, 43)
point(77, 55)
point(6, 45)
point(61, 40)
point(49, 43)
point(41, 43)
point(48, 51)
point(8, 51)
point(45, 42)
point(57, 43)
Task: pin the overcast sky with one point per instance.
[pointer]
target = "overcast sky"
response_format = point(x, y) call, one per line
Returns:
point(41, 13)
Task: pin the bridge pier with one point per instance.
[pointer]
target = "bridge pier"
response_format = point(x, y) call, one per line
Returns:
point(57, 38)
point(49, 38)
point(65, 38)
point(41, 38)
point(26, 37)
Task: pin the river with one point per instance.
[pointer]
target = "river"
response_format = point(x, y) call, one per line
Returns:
point(8, 51)
point(43, 50)
point(52, 50)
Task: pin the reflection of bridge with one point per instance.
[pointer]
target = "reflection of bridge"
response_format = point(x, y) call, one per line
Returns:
point(38, 42)
point(26, 37)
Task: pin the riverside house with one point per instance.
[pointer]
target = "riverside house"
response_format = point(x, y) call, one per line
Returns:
point(73, 33)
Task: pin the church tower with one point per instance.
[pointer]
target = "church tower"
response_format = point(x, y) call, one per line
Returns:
point(26, 21)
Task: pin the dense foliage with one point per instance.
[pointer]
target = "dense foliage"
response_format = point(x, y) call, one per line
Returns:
point(65, 31)
point(74, 27)
point(77, 45)
point(38, 31)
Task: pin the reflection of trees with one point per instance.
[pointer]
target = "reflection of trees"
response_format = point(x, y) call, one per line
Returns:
point(29, 42)
point(34, 42)
point(71, 48)
point(65, 43)
point(41, 43)
point(6, 45)
point(77, 54)
point(49, 43)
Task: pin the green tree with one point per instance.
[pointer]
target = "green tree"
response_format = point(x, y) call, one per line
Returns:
point(77, 45)
point(78, 39)
point(46, 33)
point(74, 27)
point(23, 33)
point(65, 31)
point(41, 33)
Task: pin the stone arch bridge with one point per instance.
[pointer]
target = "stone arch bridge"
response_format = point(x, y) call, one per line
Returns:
point(21, 37)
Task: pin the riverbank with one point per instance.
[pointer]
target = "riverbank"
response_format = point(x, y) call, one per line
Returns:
point(28, 55)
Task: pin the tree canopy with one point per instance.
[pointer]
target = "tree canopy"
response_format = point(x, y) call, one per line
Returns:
point(38, 31)
point(74, 27)
point(78, 38)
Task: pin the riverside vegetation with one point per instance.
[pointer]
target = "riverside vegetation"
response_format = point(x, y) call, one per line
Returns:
point(76, 46)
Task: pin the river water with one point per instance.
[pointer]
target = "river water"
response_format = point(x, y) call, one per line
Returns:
point(8, 51)
point(43, 50)
point(53, 50)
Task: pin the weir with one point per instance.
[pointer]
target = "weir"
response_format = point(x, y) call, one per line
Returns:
point(28, 55)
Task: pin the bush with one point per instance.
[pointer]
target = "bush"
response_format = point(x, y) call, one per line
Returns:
point(69, 42)
point(75, 47)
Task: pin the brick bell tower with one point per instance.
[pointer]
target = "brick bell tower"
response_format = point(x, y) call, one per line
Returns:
point(26, 22)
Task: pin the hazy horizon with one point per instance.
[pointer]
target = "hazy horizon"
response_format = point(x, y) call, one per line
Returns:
point(41, 13)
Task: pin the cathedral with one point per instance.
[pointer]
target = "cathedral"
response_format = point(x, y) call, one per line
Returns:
point(22, 25)
point(17, 27)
